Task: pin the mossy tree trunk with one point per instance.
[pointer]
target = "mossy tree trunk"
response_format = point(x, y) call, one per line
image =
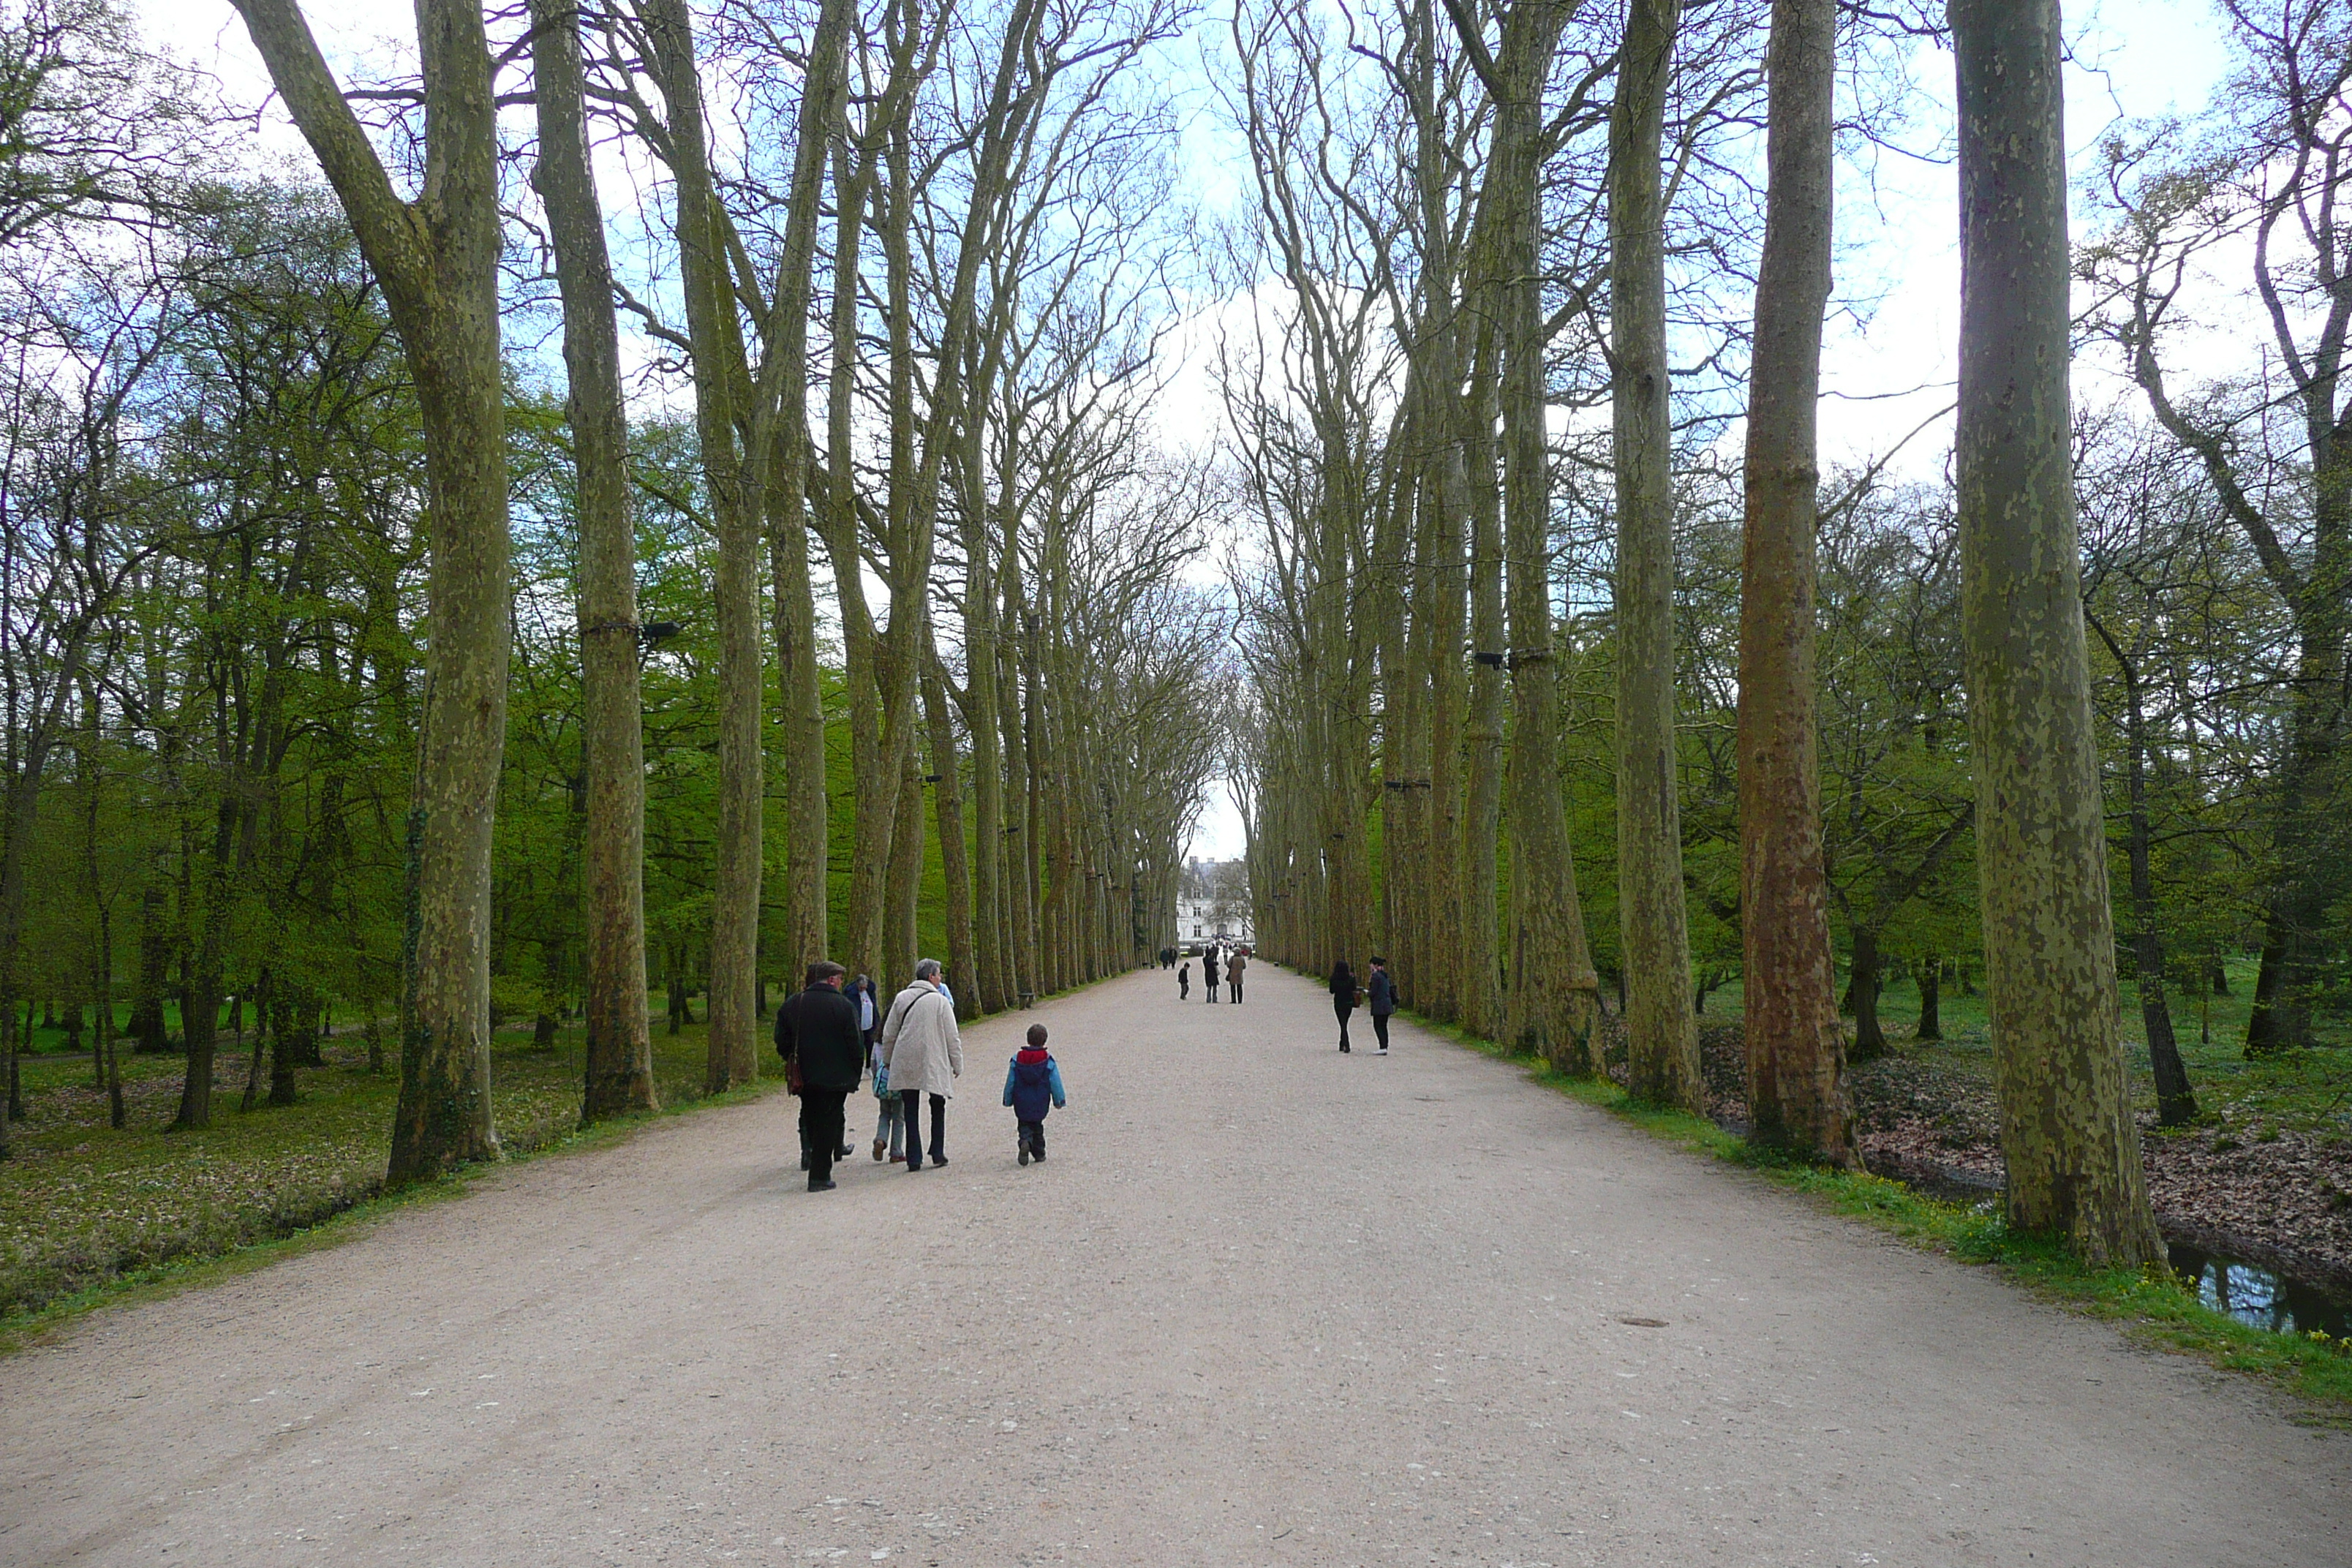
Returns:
point(2071, 1149)
point(619, 1076)
point(1553, 1003)
point(437, 259)
point(1661, 1028)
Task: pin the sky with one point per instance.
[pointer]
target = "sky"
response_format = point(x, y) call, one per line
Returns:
point(1889, 360)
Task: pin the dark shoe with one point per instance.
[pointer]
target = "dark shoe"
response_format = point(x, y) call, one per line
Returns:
point(822, 1186)
point(914, 1164)
point(1025, 1154)
point(939, 1159)
point(845, 1152)
point(1343, 1047)
point(1040, 1156)
point(878, 1149)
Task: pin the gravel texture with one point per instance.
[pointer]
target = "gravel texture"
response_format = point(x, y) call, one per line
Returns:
point(1264, 1304)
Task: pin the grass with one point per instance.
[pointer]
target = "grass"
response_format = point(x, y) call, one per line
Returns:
point(2297, 1092)
point(88, 1214)
point(2155, 1306)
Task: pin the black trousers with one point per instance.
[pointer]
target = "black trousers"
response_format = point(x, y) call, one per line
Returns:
point(1381, 1027)
point(912, 1100)
point(1234, 986)
point(1031, 1136)
point(820, 1129)
point(1213, 990)
point(1343, 1010)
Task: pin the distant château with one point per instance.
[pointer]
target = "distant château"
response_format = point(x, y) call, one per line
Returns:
point(1213, 902)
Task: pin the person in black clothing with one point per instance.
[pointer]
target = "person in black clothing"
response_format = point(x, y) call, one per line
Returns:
point(1184, 981)
point(1343, 996)
point(1209, 972)
point(1380, 991)
point(817, 1034)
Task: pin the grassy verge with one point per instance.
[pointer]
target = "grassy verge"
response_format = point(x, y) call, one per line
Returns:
point(90, 1215)
point(2155, 1306)
point(2306, 1091)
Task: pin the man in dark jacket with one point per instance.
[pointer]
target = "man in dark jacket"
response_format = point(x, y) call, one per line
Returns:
point(1380, 991)
point(816, 1030)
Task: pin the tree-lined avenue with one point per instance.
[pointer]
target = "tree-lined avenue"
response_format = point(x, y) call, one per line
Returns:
point(1264, 1304)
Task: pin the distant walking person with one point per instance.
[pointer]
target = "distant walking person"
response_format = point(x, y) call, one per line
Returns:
point(1033, 1086)
point(1343, 996)
point(817, 1035)
point(1209, 972)
point(1184, 981)
point(1233, 967)
point(923, 1053)
point(889, 1124)
point(1381, 992)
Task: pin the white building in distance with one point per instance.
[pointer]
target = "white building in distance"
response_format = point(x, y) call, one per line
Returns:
point(1213, 903)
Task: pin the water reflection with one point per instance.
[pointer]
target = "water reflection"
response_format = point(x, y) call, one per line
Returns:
point(2262, 1297)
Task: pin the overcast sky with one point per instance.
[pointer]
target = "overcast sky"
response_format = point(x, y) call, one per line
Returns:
point(1897, 224)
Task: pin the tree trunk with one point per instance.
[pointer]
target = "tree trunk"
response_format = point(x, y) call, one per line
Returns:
point(1869, 1039)
point(905, 882)
point(1660, 1031)
point(2071, 1148)
point(1795, 1048)
point(2175, 1106)
point(968, 984)
point(437, 260)
point(798, 682)
point(1931, 988)
point(150, 1035)
point(1481, 967)
point(989, 926)
point(730, 431)
point(262, 987)
point(289, 1018)
point(619, 1076)
point(1553, 1004)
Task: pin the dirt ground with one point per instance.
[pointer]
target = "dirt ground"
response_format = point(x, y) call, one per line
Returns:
point(1266, 1304)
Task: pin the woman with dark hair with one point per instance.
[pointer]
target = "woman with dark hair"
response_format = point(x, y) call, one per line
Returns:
point(1343, 996)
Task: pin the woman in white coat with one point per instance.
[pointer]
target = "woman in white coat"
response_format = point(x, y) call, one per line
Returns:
point(924, 1053)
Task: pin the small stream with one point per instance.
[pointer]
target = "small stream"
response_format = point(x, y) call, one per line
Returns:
point(2260, 1297)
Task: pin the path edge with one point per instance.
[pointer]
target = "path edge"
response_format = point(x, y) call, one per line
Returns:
point(2153, 1308)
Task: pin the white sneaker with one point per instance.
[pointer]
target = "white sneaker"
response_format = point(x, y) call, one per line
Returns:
point(1381, 1052)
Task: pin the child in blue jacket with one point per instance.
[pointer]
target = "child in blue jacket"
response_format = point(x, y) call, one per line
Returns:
point(1033, 1086)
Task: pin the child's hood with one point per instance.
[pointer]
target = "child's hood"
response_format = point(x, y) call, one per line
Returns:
point(1032, 1055)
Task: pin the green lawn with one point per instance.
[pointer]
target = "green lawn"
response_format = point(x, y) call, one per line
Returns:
point(81, 1203)
point(2301, 1092)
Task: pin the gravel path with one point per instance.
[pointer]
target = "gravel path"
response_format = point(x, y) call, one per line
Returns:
point(1266, 1304)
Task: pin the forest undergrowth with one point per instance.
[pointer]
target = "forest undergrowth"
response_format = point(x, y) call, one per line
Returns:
point(2264, 1171)
point(82, 1206)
